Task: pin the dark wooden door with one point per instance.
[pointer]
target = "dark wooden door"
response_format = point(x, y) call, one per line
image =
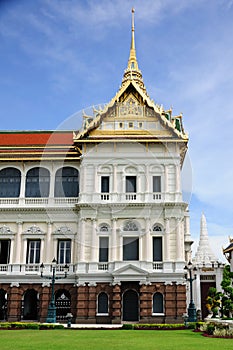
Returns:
point(130, 306)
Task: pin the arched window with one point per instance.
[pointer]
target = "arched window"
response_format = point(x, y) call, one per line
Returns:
point(37, 182)
point(158, 303)
point(10, 179)
point(67, 182)
point(102, 306)
point(130, 226)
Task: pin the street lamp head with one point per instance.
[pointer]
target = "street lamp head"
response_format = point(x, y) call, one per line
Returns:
point(66, 269)
point(41, 269)
point(190, 264)
point(54, 262)
point(186, 267)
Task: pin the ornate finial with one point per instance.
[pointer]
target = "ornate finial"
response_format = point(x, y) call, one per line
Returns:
point(132, 63)
point(132, 71)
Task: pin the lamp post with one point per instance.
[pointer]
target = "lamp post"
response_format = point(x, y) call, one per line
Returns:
point(51, 315)
point(192, 312)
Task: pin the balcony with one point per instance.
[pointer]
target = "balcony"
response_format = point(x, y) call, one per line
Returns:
point(90, 268)
point(130, 197)
point(38, 202)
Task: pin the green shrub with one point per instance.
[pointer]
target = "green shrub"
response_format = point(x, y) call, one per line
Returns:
point(210, 329)
point(5, 325)
point(199, 325)
point(128, 326)
point(159, 326)
point(50, 326)
point(32, 326)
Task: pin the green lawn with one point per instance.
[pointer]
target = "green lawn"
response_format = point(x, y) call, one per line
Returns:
point(109, 340)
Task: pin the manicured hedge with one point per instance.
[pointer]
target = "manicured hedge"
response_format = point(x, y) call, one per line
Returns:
point(163, 326)
point(29, 325)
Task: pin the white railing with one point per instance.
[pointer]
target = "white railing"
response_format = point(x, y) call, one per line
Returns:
point(131, 196)
point(156, 197)
point(33, 201)
point(4, 268)
point(32, 268)
point(157, 266)
point(38, 201)
point(103, 266)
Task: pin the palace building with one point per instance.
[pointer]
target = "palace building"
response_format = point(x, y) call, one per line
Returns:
point(107, 201)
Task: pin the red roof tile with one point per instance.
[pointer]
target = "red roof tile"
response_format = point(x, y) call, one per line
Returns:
point(36, 138)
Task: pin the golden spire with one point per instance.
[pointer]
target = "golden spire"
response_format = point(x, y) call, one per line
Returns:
point(132, 71)
point(132, 63)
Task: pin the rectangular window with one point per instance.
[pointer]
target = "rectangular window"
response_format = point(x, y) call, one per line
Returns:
point(131, 184)
point(64, 252)
point(33, 252)
point(120, 125)
point(130, 125)
point(5, 251)
point(130, 248)
point(103, 249)
point(157, 249)
point(156, 183)
point(104, 184)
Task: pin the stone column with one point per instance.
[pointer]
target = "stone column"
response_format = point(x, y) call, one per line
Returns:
point(113, 241)
point(44, 301)
point(179, 240)
point(17, 245)
point(177, 178)
point(23, 184)
point(166, 178)
point(116, 304)
point(82, 240)
point(82, 303)
point(94, 243)
point(48, 255)
point(148, 239)
point(92, 303)
point(14, 303)
point(96, 181)
point(52, 184)
point(167, 240)
point(114, 179)
point(145, 303)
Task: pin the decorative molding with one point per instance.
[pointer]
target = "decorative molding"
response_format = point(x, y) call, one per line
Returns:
point(64, 231)
point(5, 230)
point(14, 284)
point(34, 229)
point(45, 284)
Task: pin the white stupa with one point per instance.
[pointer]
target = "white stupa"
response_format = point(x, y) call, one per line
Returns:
point(204, 254)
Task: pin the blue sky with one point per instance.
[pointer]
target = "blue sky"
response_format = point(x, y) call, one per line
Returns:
point(60, 57)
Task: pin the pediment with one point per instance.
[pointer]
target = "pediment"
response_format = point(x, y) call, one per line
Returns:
point(131, 270)
point(131, 114)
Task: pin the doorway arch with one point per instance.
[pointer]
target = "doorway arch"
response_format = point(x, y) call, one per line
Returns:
point(30, 305)
point(3, 305)
point(130, 306)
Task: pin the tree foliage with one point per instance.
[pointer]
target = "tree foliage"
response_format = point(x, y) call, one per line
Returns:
point(227, 295)
point(213, 301)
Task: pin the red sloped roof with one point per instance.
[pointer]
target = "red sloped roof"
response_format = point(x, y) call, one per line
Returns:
point(29, 138)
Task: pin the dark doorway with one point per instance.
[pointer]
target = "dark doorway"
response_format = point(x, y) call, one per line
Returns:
point(63, 304)
point(130, 305)
point(204, 291)
point(30, 305)
point(3, 305)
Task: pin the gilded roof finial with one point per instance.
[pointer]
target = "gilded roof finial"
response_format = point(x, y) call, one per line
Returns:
point(132, 63)
point(132, 72)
